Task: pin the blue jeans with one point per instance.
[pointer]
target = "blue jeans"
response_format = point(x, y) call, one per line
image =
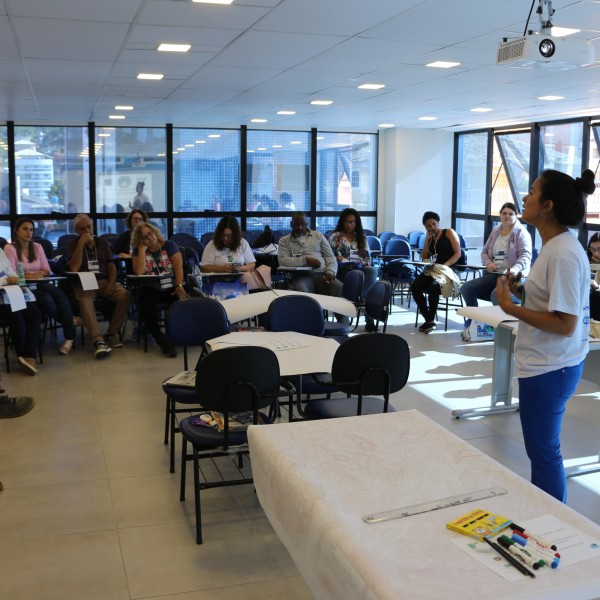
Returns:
point(542, 401)
point(54, 302)
point(481, 288)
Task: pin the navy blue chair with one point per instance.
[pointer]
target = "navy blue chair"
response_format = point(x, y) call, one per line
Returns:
point(377, 302)
point(187, 240)
point(232, 380)
point(352, 290)
point(384, 236)
point(190, 323)
point(396, 252)
point(364, 365)
point(207, 237)
point(413, 238)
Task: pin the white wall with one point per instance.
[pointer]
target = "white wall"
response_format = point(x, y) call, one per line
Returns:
point(415, 175)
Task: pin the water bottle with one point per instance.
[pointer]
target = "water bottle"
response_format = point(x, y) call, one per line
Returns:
point(21, 275)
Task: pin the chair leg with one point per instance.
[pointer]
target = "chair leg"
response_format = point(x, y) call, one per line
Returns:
point(197, 497)
point(172, 449)
point(183, 469)
point(167, 414)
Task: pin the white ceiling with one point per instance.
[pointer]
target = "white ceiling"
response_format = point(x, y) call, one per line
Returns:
point(71, 61)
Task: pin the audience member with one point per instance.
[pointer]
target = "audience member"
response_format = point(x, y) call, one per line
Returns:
point(508, 249)
point(153, 255)
point(442, 247)
point(351, 250)
point(228, 251)
point(50, 298)
point(140, 198)
point(88, 253)
point(593, 252)
point(553, 321)
point(286, 202)
point(123, 247)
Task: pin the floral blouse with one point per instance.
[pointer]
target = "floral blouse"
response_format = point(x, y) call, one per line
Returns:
point(347, 251)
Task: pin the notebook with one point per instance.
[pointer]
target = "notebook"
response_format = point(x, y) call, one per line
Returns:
point(183, 379)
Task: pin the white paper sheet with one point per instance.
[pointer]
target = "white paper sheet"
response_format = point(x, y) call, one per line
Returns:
point(15, 296)
point(88, 281)
point(492, 315)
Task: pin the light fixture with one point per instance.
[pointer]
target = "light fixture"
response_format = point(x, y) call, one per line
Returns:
point(427, 118)
point(262, 149)
point(155, 76)
point(481, 109)
point(547, 48)
point(214, 135)
point(385, 125)
point(321, 102)
point(563, 31)
point(124, 107)
point(295, 142)
point(286, 112)
point(104, 135)
point(174, 47)
point(277, 146)
point(213, 1)
point(371, 86)
point(200, 141)
point(551, 98)
point(442, 64)
point(116, 116)
point(258, 120)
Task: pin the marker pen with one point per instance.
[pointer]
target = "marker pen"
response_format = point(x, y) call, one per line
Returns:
point(520, 553)
point(532, 546)
point(532, 535)
point(530, 540)
point(514, 561)
point(548, 560)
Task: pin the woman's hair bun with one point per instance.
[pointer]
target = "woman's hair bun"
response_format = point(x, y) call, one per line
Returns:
point(585, 183)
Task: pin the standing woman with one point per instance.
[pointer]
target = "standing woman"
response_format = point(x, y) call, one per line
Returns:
point(228, 251)
point(442, 246)
point(153, 255)
point(508, 249)
point(553, 330)
point(50, 298)
point(349, 244)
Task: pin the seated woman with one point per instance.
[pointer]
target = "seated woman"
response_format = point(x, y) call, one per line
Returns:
point(123, 247)
point(349, 244)
point(442, 247)
point(153, 255)
point(228, 251)
point(24, 325)
point(593, 252)
point(507, 249)
point(51, 300)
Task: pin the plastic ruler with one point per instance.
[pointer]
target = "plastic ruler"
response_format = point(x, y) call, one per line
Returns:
point(415, 509)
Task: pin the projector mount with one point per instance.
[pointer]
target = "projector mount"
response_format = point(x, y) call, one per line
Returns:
point(545, 24)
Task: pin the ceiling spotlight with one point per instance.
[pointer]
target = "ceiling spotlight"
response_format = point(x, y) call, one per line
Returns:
point(547, 48)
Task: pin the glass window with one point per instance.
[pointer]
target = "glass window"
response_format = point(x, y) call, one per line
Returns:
point(510, 169)
point(473, 231)
point(278, 172)
point(471, 170)
point(130, 169)
point(593, 201)
point(52, 170)
point(561, 148)
point(4, 189)
point(346, 172)
point(330, 223)
point(206, 170)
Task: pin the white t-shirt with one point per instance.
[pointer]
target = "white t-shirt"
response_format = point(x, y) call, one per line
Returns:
point(558, 281)
point(242, 256)
point(500, 253)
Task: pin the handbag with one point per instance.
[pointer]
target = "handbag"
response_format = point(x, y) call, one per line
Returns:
point(258, 279)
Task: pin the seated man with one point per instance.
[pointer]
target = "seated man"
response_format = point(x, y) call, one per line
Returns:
point(304, 247)
point(93, 254)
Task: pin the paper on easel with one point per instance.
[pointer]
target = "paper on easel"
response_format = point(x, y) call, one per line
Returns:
point(88, 281)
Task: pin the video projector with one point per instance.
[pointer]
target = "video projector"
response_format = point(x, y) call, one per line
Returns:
point(540, 51)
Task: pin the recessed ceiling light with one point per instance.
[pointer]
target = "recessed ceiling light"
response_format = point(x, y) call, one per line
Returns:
point(200, 141)
point(386, 125)
point(213, 1)
point(123, 107)
point(371, 86)
point(174, 47)
point(277, 146)
point(262, 149)
point(295, 142)
point(442, 64)
point(155, 76)
point(427, 118)
point(551, 98)
point(320, 137)
point(189, 145)
point(286, 112)
point(321, 102)
point(214, 135)
point(481, 109)
point(161, 154)
point(116, 116)
point(249, 151)
point(563, 31)
point(180, 149)
point(258, 120)
point(104, 135)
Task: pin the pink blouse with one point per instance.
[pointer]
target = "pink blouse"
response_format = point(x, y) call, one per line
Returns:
point(39, 264)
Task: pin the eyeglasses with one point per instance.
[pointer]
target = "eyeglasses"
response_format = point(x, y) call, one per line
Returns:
point(350, 222)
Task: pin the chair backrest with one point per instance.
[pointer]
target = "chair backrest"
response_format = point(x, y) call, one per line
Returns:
point(421, 242)
point(375, 360)
point(384, 236)
point(413, 237)
point(397, 247)
point(46, 244)
point(191, 259)
point(277, 235)
point(374, 243)
point(188, 241)
point(111, 238)
point(352, 288)
point(207, 237)
point(63, 240)
point(249, 236)
point(237, 379)
point(3, 242)
point(368, 232)
point(399, 236)
point(377, 302)
point(301, 314)
point(461, 239)
point(534, 255)
point(194, 321)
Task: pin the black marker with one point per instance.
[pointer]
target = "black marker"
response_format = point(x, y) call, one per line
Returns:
point(510, 558)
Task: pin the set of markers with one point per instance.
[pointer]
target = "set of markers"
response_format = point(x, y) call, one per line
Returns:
point(525, 549)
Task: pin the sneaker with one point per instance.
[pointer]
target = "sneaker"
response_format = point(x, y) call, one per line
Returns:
point(465, 334)
point(428, 327)
point(11, 408)
point(66, 347)
point(102, 349)
point(424, 326)
point(113, 340)
point(371, 328)
point(27, 365)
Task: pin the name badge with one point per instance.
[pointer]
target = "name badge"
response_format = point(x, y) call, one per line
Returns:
point(93, 266)
point(354, 255)
point(166, 282)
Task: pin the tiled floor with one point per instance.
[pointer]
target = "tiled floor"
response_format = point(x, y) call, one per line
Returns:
point(89, 509)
